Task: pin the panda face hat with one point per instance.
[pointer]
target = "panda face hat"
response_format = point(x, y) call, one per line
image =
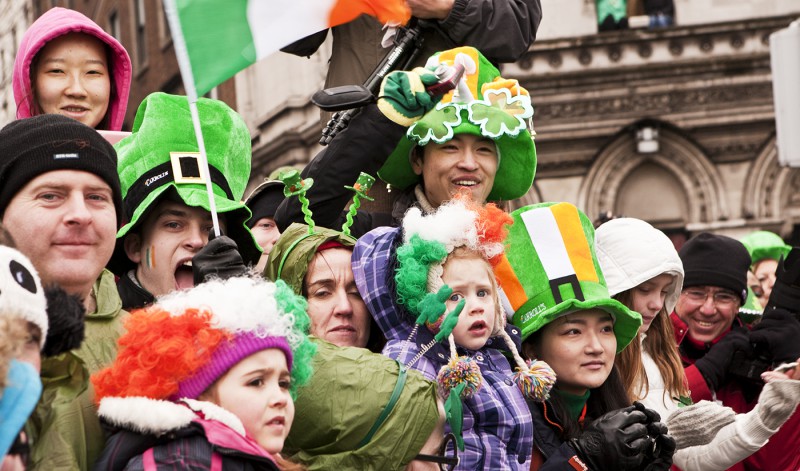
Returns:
point(21, 293)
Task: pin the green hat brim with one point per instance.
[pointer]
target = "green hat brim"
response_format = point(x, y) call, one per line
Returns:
point(194, 195)
point(514, 175)
point(626, 321)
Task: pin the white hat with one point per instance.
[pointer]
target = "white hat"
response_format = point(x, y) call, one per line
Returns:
point(21, 292)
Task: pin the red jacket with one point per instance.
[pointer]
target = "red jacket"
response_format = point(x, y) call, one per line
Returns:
point(782, 452)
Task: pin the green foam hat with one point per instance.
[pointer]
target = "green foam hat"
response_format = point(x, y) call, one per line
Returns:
point(483, 104)
point(550, 269)
point(764, 245)
point(162, 154)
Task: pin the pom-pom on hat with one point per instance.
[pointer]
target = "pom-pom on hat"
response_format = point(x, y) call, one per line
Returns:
point(21, 293)
point(716, 260)
point(483, 104)
point(181, 345)
point(762, 245)
point(631, 251)
point(550, 269)
point(162, 153)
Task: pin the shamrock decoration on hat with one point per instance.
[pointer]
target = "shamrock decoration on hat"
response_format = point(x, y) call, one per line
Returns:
point(482, 104)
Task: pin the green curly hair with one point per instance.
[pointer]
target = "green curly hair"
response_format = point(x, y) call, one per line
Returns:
point(304, 350)
point(414, 259)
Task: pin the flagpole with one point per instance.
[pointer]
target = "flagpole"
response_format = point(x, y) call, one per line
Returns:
point(185, 66)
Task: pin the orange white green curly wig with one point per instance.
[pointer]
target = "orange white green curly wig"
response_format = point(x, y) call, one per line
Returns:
point(178, 347)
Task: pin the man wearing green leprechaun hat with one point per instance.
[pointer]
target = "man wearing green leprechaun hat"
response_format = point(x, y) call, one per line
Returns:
point(475, 139)
point(164, 244)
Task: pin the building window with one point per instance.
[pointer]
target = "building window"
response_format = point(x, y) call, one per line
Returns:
point(163, 23)
point(113, 25)
point(141, 38)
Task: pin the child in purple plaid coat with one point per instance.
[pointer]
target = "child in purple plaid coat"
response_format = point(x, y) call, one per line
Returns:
point(444, 278)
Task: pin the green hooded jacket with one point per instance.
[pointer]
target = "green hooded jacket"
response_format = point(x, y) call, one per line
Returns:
point(336, 410)
point(64, 429)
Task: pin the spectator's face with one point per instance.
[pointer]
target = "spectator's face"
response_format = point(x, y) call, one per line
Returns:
point(464, 163)
point(470, 279)
point(256, 390)
point(171, 234)
point(266, 234)
point(337, 312)
point(707, 310)
point(765, 273)
point(65, 222)
point(580, 347)
point(72, 78)
point(30, 352)
point(648, 298)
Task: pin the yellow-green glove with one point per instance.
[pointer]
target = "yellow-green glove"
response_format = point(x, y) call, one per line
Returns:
point(403, 97)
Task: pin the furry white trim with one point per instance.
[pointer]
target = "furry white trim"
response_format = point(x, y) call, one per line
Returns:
point(255, 309)
point(145, 415)
point(153, 416)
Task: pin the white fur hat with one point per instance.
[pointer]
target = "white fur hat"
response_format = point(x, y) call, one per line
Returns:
point(21, 292)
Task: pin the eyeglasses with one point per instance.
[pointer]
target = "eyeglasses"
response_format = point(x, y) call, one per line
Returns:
point(721, 298)
point(446, 463)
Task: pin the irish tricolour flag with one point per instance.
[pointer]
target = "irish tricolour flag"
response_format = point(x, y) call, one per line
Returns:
point(223, 37)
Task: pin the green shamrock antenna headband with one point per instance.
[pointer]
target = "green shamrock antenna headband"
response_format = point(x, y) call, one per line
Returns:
point(360, 187)
point(294, 184)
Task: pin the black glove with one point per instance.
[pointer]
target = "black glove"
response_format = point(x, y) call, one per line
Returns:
point(617, 440)
point(65, 314)
point(778, 331)
point(220, 258)
point(659, 455)
point(715, 364)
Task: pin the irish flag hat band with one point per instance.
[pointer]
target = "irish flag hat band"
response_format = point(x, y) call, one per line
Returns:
point(550, 269)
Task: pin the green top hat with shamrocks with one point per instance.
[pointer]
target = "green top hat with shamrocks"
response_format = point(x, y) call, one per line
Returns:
point(161, 155)
point(483, 104)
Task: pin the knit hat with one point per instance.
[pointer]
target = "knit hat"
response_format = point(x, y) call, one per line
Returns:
point(21, 293)
point(33, 146)
point(427, 242)
point(162, 153)
point(550, 270)
point(763, 245)
point(716, 260)
point(483, 104)
point(178, 347)
point(631, 251)
point(264, 200)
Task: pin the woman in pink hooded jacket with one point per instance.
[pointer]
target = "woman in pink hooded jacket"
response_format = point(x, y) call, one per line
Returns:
point(67, 64)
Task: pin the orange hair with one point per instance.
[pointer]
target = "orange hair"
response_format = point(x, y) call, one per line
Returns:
point(158, 351)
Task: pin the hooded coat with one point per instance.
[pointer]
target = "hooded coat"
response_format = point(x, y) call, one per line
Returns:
point(150, 434)
point(58, 22)
point(497, 430)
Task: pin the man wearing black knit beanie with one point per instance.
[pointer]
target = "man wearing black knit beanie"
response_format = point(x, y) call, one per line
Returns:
point(713, 341)
point(61, 201)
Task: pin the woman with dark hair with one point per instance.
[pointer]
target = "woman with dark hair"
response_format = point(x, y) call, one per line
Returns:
point(67, 64)
point(553, 284)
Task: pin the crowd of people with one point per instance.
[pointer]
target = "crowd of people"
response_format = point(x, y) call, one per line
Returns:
point(153, 317)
